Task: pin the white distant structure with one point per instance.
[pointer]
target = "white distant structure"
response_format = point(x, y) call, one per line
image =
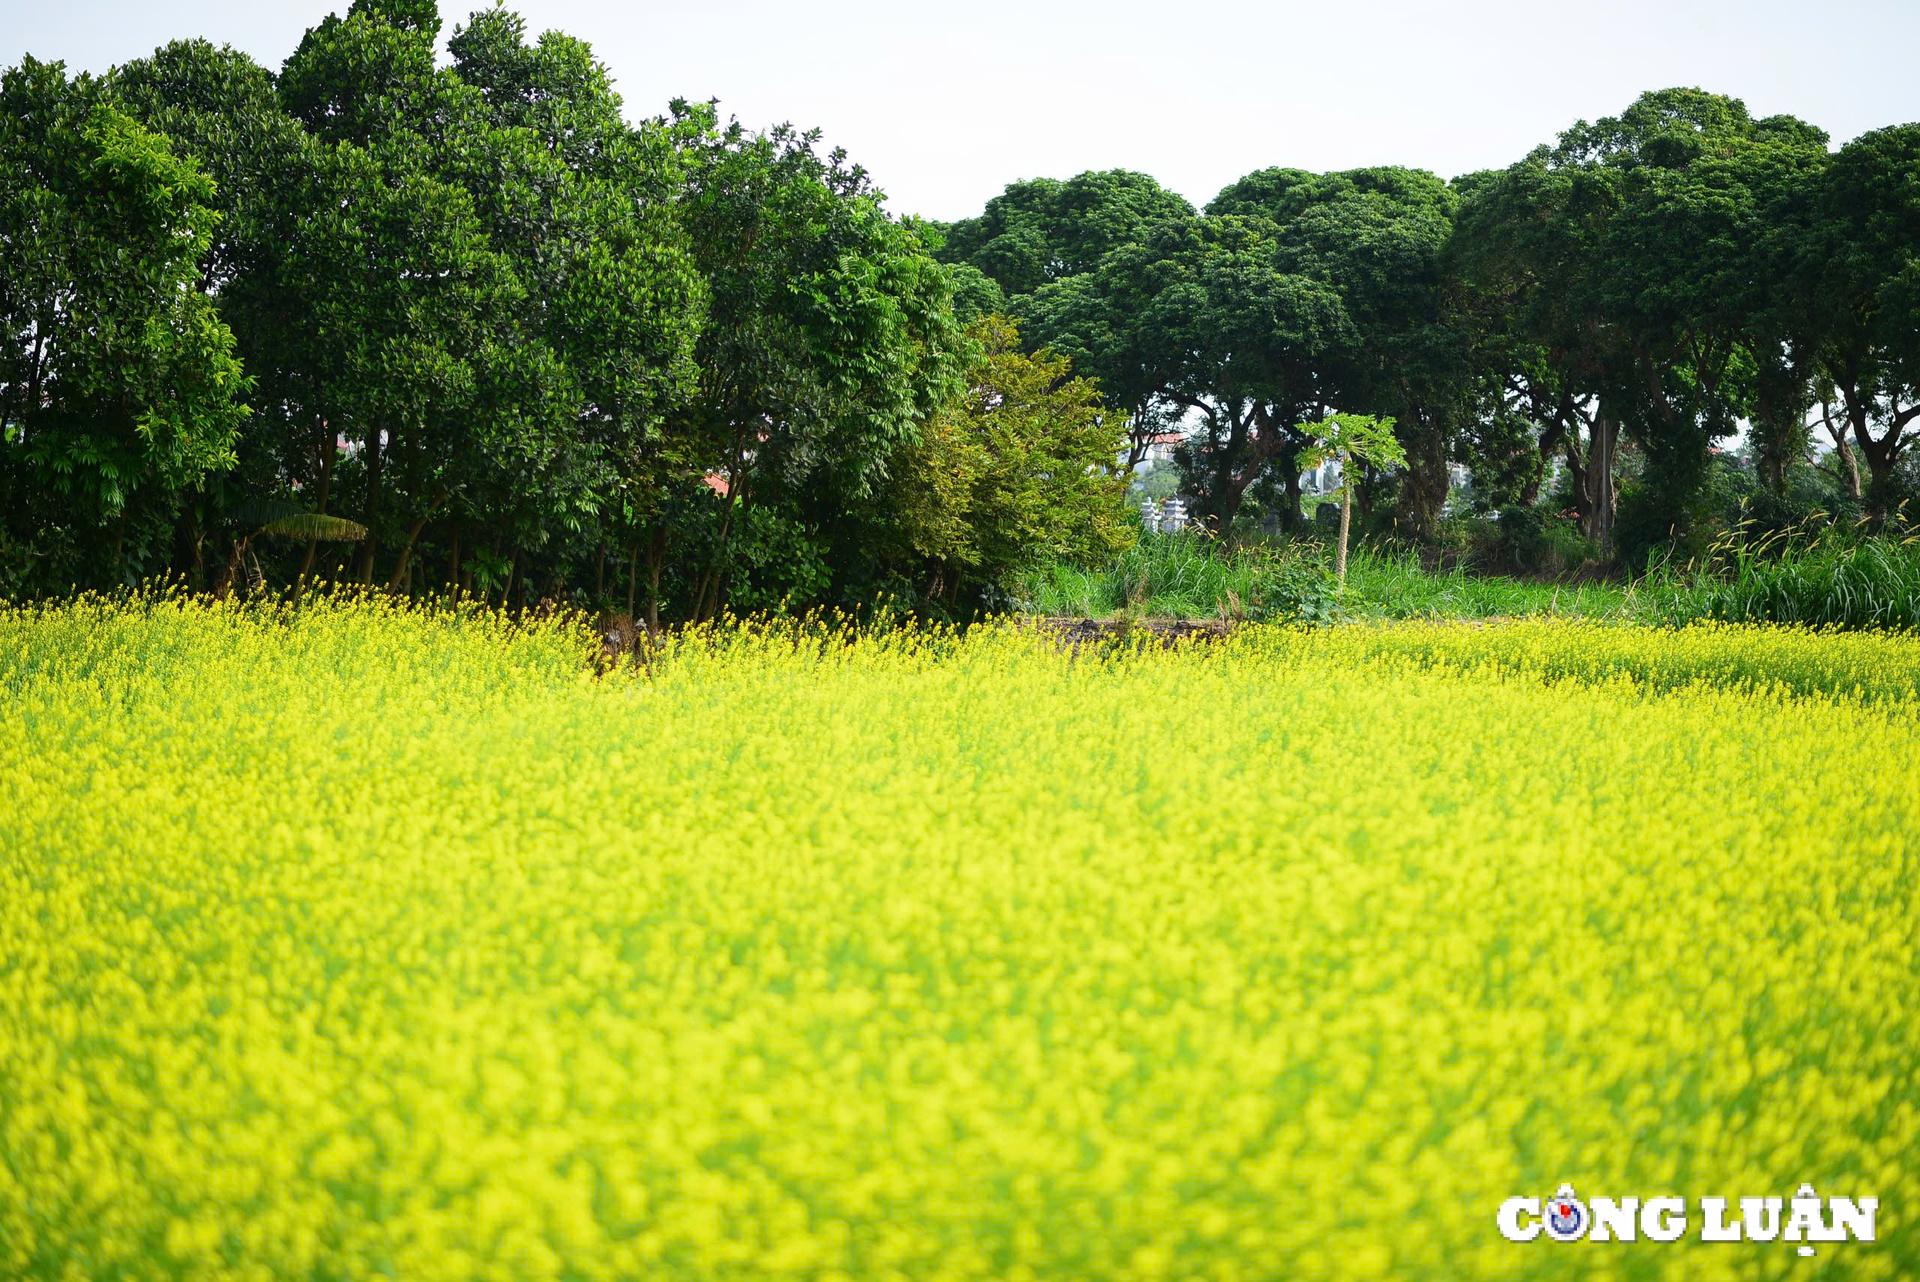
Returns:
point(1167, 517)
point(1171, 514)
point(1324, 479)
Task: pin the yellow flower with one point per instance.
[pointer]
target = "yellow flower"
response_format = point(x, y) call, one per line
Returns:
point(371, 940)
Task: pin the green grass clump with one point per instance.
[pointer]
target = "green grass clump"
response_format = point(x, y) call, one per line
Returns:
point(1835, 578)
point(1394, 585)
point(1191, 576)
point(1831, 579)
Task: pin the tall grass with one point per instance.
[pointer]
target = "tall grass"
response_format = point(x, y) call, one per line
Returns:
point(1191, 576)
point(1834, 577)
point(1831, 578)
point(1184, 576)
point(1387, 583)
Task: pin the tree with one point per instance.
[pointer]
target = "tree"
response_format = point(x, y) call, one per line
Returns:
point(220, 108)
point(1017, 472)
point(830, 338)
point(1047, 232)
point(422, 343)
point(1043, 230)
point(1625, 256)
point(1864, 277)
point(975, 294)
point(584, 206)
point(1378, 238)
point(119, 387)
point(1535, 379)
point(1202, 317)
point(1354, 441)
point(1783, 303)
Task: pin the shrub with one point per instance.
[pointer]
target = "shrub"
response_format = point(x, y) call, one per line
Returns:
point(1533, 541)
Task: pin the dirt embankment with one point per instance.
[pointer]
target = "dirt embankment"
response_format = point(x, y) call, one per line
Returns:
point(1077, 632)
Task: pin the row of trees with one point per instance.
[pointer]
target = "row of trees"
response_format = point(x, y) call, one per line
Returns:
point(1620, 301)
point(461, 322)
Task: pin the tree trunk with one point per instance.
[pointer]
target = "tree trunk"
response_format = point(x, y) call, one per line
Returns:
point(1845, 450)
point(1882, 455)
point(232, 571)
point(1424, 492)
point(1230, 495)
point(120, 544)
point(709, 589)
point(1777, 445)
point(1346, 523)
point(1593, 478)
point(370, 546)
point(1226, 467)
point(196, 541)
point(453, 563)
point(327, 451)
point(707, 602)
point(656, 560)
point(633, 579)
point(1782, 396)
point(401, 567)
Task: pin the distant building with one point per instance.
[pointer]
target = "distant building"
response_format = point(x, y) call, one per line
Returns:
point(1158, 452)
point(1324, 479)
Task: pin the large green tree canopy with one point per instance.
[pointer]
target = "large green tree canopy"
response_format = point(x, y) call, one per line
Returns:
point(119, 387)
point(1866, 316)
point(481, 312)
point(1043, 230)
point(1625, 265)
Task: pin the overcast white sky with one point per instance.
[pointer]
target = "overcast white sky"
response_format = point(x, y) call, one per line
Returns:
point(946, 103)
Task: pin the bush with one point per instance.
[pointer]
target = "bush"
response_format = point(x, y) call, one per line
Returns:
point(1533, 541)
point(773, 561)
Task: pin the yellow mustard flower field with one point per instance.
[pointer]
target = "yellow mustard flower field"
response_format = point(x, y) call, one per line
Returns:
point(374, 942)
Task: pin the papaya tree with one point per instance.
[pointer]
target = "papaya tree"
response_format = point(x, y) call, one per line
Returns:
point(1353, 441)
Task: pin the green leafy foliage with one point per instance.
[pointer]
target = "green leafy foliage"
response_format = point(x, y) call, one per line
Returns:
point(1045, 230)
point(1018, 472)
point(830, 336)
point(119, 384)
